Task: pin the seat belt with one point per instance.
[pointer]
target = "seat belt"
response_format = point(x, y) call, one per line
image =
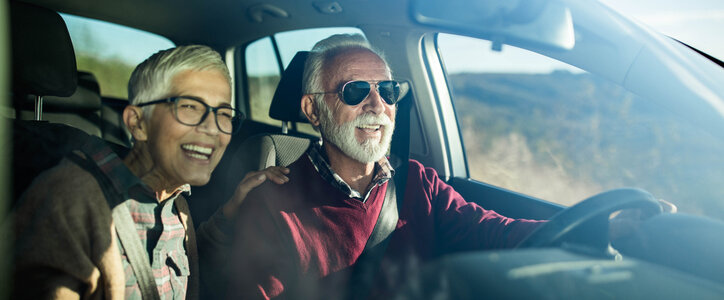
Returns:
point(125, 227)
point(368, 263)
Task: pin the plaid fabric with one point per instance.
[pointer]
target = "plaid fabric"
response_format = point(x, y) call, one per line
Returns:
point(158, 225)
point(383, 172)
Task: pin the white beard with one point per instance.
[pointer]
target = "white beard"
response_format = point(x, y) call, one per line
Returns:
point(343, 135)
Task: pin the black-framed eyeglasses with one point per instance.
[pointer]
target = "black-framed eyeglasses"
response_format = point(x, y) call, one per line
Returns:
point(193, 111)
point(354, 92)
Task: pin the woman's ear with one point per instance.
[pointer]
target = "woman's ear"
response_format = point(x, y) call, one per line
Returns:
point(133, 117)
point(309, 109)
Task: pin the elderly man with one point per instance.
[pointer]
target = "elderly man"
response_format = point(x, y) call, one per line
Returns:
point(299, 239)
point(98, 226)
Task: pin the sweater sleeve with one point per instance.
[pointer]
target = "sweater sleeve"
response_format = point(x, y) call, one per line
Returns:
point(65, 245)
point(213, 238)
point(464, 225)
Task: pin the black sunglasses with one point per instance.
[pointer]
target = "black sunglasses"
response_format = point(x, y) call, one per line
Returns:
point(356, 91)
point(193, 111)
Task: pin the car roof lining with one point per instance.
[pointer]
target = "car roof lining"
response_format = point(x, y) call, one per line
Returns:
point(224, 23)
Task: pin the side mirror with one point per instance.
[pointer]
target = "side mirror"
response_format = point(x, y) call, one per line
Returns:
point(528, 23)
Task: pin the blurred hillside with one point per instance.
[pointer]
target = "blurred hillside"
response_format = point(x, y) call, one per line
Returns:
point(112, 74)
point(563, 137)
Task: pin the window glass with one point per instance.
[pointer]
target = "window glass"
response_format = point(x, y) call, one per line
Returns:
point(263, 74)
point(540, 127)
point(111, 51)
point(263, 70)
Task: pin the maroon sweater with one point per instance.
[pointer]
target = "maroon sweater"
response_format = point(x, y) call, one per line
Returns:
point(289, 237)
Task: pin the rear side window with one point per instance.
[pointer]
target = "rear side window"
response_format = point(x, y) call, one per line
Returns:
point(111, 51)
point(267, 57)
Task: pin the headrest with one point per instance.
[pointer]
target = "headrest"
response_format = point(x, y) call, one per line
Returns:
point(87, 97)
point(42, 52)
point(286, 104)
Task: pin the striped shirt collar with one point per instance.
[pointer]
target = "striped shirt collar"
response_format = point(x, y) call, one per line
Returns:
point(317, 155)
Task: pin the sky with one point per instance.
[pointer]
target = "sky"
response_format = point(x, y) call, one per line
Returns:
point(699, 23)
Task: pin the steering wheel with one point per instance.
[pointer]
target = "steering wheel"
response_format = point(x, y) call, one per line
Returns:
point(587, 223)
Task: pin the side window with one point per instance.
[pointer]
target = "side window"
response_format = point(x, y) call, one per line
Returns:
point(537, 126)
point(263, 74)
point(263, 70)
point(111, 51)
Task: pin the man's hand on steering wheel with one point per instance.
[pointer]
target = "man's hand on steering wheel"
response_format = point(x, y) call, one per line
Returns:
point(628, 221)
point(588, 223)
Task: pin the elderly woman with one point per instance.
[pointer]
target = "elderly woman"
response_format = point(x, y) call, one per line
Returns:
point(98, 226)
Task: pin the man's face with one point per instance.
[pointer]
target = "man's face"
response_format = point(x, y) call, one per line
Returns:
point(363, 132)
point(188, 154)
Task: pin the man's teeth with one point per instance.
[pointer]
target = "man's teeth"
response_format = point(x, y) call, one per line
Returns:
point(197, 148)
point(371, 127)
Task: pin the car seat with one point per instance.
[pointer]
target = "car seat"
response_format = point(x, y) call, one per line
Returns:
point(43, 65)
point(258, 151)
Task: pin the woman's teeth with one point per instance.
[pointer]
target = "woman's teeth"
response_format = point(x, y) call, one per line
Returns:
point(197, 151)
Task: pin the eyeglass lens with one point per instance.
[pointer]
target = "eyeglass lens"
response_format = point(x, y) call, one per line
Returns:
point(354, 92)
point(193, 112)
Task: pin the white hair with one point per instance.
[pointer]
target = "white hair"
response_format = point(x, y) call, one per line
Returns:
point(342, 135)
point(151, 80)
point(323, 52)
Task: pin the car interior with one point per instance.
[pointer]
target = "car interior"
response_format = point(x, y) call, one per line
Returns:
point(54, 106)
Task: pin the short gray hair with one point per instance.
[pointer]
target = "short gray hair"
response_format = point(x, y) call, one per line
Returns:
point(151, 80)
point(323, 52)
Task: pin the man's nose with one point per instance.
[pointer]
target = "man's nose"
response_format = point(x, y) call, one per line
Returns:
point(374, 102)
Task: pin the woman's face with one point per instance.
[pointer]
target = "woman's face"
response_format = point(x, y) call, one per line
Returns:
point(188, 154)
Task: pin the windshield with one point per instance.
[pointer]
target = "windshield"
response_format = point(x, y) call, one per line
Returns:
point(697, 23)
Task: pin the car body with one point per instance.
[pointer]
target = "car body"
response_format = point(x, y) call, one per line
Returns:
point(631, 108)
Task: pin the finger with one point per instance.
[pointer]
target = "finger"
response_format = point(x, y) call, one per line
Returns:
point(278, 178)
point(277, 174)
point(250, 181)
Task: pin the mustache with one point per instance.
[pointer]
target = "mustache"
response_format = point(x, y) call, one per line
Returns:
point(370, 118)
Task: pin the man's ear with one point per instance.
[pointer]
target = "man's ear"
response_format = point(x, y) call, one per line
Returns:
point(309, 109)
point(133, 117)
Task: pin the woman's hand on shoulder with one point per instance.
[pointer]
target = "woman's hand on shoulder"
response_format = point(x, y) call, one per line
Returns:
point(252, 180)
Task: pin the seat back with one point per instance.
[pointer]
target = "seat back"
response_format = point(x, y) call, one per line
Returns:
point(112, 127)
point(43, 65)
point(267, 150)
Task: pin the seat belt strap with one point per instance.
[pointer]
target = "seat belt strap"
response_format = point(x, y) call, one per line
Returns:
point(137, 256)
point(368, 263)
point(125, 227)
point(386, 221)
